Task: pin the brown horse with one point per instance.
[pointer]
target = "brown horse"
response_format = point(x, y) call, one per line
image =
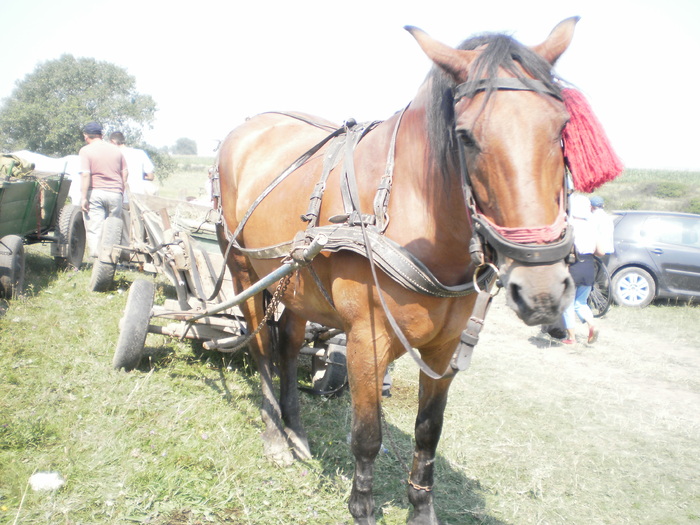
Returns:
point(478, 150)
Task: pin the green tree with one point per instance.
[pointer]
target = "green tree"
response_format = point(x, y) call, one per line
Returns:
point(48, 108)
point(164, 163)
point(185, 146)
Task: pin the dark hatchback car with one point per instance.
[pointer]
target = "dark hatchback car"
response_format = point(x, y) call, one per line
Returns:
point(657, 256)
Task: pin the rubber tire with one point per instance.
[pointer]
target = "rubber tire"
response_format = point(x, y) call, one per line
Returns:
point(103, 271)
point(600, 297)
point(11, 266)
point(71, 231)
point(333, 375)
point(134, 325)
point(624, 285)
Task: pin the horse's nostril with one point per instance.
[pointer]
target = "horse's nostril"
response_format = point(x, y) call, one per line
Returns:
point(515, 292)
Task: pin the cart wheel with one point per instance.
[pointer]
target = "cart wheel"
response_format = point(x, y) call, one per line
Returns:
point(71, 232)
point(600, 298)
point(104, 268)
point(330, 376)
point(11, 266)
point(126, 235)
point(134, 325)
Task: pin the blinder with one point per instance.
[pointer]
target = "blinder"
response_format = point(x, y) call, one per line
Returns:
point(482, 230)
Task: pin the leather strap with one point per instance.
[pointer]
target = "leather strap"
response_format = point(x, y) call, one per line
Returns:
point(349, 192)
point(524, 253)
point(293, 167)
point(462, 357)
point(381, 198)
point(396, 261)
point(471, 87)
point(330, 161)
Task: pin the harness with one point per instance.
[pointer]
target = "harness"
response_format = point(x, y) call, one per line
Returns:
point(364, 233)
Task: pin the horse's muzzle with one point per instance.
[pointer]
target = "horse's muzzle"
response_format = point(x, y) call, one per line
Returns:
point(539, 294)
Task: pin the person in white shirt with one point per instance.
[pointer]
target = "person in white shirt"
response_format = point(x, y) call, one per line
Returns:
point(605, 226)
point(586, 242)
point(140, 167)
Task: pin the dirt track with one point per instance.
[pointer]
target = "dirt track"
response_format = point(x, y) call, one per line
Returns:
point(648, 360)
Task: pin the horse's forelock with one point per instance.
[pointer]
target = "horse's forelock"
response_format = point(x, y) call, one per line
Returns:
point(499, 51)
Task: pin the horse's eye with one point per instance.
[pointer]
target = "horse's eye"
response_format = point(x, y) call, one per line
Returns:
point(561, 131)
point(467, 138)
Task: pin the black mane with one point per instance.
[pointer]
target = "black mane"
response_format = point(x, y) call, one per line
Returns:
point(500, 51)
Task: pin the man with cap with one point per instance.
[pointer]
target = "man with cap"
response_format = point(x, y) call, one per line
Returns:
point(103, 177)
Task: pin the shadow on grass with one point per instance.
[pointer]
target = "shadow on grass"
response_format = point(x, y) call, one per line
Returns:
point(458, 498)
point(40, 271)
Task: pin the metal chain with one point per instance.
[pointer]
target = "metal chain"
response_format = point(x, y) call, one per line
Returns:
point(274, 302)
point(402, 463)
point(269, 311)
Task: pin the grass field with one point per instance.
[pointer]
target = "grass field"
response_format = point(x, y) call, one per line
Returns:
point(653, 190)
point(535, 432)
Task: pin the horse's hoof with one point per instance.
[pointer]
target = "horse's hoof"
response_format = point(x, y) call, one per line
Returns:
point(429, 519)
point(277, 451)
point(300, 445)
point(365, 521)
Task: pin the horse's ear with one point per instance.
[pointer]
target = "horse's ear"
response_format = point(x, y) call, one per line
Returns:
point(558, 40)
point(454, 62)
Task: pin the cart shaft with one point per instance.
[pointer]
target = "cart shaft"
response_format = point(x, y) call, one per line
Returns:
point(286, 269)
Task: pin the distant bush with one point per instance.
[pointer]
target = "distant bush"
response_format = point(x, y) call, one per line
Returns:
point(670, 190)
point(632, 205)
point(693, 206)
point(184, 146)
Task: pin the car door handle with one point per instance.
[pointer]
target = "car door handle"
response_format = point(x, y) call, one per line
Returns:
point(657, 251)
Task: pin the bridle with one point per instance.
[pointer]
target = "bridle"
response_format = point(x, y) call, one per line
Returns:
point(530, 246)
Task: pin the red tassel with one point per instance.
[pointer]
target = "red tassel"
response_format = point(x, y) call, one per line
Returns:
point(587, 150)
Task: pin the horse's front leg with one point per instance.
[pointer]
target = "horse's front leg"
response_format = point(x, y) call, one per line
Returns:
point(365, 375)
point(431, 410)
point(292, 329)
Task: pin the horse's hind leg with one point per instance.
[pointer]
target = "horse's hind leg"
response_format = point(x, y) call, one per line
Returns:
point(292, 329)
point(274, 438)
point(431, 410)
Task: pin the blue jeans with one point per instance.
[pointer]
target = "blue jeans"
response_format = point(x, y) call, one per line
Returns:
point(579, 307)
point(103, 204)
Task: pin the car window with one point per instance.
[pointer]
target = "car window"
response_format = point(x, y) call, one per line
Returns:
point(672, 230)
point(691, 235)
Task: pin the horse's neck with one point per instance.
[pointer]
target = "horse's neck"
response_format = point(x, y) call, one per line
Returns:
point(428, 211)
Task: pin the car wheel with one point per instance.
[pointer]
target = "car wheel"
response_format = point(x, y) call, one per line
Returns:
point(633, 286)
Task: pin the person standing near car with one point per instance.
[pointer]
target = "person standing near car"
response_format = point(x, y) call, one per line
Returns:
point(140, 167)
point(605, 226)
point(104, 172)
point(587, 244)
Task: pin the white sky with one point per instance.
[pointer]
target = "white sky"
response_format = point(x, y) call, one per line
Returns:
point(209, 64)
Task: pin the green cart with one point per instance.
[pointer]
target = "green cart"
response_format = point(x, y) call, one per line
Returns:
point(32, 210)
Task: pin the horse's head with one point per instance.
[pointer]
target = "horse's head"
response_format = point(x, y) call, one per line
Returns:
point(508, 118)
